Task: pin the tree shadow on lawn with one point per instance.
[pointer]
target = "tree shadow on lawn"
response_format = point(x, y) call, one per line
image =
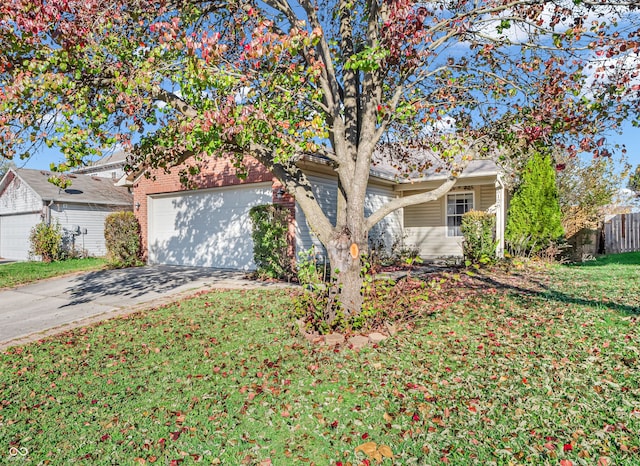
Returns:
point(137, 282)
point(538, 288)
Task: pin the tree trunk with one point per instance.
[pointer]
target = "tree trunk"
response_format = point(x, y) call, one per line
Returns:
point(345, 292)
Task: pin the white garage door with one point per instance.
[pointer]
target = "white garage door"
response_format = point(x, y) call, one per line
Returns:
point(14, 235)
point(208, 228)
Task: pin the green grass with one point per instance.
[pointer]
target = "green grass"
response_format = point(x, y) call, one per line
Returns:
point(629, 258)
point(18, 273)
point(528, 370)
point(604, 283)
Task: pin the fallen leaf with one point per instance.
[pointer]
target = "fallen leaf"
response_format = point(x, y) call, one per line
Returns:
point(385, 451)
point(369, 448)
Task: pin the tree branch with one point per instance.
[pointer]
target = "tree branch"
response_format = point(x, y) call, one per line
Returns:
point(401, 202)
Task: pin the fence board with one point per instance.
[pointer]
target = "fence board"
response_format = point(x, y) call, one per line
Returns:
point(622, 233)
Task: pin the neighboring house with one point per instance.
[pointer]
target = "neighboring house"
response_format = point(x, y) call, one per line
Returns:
point(210, 226)
point(27, 198)
point(110, 166)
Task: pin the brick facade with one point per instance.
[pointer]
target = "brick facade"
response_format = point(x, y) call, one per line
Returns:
point(214, 173)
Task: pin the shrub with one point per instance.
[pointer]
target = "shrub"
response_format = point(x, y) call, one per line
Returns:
point(535, 221)
point(46, 241)
point(478, 229)
point(122, 239)
point(270, 229)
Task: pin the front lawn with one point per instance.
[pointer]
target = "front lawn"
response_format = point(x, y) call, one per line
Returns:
point(527, 368)
point(19, 273)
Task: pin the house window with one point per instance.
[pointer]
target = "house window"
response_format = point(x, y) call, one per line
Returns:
point(457, 205)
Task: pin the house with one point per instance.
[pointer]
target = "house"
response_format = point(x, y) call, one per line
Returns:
point(210, 226)
point(27, 198)
point(110, 166)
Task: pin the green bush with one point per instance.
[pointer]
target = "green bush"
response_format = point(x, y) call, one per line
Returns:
point(46, 241)
point(535, 220)
point(122, 239)
point(270, 229)
point(478, 229)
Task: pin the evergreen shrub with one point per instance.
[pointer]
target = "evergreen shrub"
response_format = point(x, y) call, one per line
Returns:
point(534, 221)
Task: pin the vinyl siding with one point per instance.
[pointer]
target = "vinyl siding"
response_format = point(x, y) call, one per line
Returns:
point(388, 231)
point(425, 224)
point(91, 218)
point(325, 189)
point(19, 198)
point(486, 195)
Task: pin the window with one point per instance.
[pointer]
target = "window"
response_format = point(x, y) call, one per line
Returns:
point(457, 205)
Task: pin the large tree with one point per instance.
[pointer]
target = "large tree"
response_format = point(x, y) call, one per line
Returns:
point(341, 79)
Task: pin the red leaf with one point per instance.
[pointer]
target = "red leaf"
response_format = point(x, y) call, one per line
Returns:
point(567, 447)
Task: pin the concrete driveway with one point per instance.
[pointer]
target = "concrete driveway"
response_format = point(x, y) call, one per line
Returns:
point(51, 306)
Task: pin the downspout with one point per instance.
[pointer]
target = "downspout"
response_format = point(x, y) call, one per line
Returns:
point(500, 216)
point(47, 213)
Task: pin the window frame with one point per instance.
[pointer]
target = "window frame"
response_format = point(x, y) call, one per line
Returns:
point(446, 210)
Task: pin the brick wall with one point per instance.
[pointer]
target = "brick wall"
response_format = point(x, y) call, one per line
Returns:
point(214, 172)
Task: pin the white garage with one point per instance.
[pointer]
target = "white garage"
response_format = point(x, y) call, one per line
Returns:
point(205, 228)
point(14, 234)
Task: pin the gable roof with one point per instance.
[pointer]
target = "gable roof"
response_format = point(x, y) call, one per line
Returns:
point(383, 169)
point(84, 189)
point(424, 165)
point(113, 160)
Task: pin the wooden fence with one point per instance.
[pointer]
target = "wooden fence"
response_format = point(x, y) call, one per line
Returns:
point(622, 233)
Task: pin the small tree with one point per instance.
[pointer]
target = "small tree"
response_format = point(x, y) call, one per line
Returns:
point(46, 241)
point(122, 239)
point(535, 220)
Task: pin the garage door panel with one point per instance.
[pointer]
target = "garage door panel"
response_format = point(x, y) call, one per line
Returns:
point(206, 229)
point(14, 235)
